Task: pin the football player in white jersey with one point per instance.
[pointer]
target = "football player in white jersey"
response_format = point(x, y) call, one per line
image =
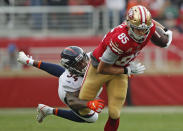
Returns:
point(74, 60)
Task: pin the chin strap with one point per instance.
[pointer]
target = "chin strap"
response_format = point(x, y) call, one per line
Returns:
point(169, 33)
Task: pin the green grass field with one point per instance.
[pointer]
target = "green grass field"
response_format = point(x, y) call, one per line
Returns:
point(132, 119)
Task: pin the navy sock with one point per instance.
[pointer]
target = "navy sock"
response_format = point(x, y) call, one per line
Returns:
point(67, 114)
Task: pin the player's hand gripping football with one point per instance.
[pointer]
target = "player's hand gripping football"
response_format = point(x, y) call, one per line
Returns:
point(96, 105)
point(24, 59)
point(169, 33)
point(135, 68)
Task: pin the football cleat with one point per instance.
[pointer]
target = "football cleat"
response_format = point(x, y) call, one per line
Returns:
point(43, 111)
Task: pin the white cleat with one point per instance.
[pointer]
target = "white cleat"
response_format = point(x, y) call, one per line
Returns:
point(43, 111)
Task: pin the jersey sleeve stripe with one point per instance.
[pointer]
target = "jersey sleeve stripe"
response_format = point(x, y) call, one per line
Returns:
point(115, 48)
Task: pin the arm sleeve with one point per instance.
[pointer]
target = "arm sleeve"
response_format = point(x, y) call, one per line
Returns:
point(52, 69)
point(109, 56)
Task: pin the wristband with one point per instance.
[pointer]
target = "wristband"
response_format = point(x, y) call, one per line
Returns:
point(39, 64)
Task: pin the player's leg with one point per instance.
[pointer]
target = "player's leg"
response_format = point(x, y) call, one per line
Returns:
point(90, 117)
point(73, 116)
point(91, 86)
point(44, 110)
point(116, 91)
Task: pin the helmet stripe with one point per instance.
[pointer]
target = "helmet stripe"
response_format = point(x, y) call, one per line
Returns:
point(145, 15)
point(142, 14)
point(67, 48)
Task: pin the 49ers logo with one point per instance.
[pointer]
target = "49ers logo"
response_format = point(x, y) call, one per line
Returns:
point(124, 39)
point(130, 14)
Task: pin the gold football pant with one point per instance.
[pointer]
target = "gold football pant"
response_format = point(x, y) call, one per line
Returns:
point(116, 90)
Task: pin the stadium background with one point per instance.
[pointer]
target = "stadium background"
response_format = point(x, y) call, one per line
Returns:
point(42, 28)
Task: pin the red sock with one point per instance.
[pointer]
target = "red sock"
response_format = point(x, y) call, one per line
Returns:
point(111, 124)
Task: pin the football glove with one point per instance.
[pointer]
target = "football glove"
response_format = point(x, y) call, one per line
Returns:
point(134, 68)
point(96, 105)
point(24, 59)
point(169, 33)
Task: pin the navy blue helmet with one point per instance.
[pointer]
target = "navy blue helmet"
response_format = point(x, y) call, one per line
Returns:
point(74, 59)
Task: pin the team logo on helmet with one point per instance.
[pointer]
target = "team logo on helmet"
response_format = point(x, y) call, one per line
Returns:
point(130, 14)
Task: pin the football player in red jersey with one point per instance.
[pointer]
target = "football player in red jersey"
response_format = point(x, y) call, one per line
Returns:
point(113, 61)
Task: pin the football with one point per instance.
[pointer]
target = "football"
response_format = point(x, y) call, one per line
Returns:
point(159, 38)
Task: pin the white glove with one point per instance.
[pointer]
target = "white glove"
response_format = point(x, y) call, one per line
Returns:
point(169, 33)
point(25, 59)
point(135, 68)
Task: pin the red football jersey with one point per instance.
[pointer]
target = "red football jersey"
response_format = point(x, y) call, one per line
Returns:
point(121, 44)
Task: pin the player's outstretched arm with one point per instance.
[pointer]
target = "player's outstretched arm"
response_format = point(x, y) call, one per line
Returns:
point(76, 104)
point(50, 68)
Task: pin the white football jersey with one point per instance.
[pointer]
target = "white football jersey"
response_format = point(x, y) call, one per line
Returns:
point(72, 83)
point(68, 83)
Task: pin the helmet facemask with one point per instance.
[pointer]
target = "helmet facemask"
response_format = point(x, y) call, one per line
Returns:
point(81, 66)
point(137, 37)
point(78, 66)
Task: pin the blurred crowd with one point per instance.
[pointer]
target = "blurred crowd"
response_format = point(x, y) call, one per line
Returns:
point(168, 12)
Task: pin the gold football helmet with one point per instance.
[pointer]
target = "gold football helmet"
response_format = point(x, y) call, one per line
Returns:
point(139, 18)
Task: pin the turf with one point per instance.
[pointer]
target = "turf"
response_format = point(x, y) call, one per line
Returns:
point(134, 120)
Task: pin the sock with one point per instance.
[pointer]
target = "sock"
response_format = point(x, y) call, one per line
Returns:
point(111, 124)
point(67, 114)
